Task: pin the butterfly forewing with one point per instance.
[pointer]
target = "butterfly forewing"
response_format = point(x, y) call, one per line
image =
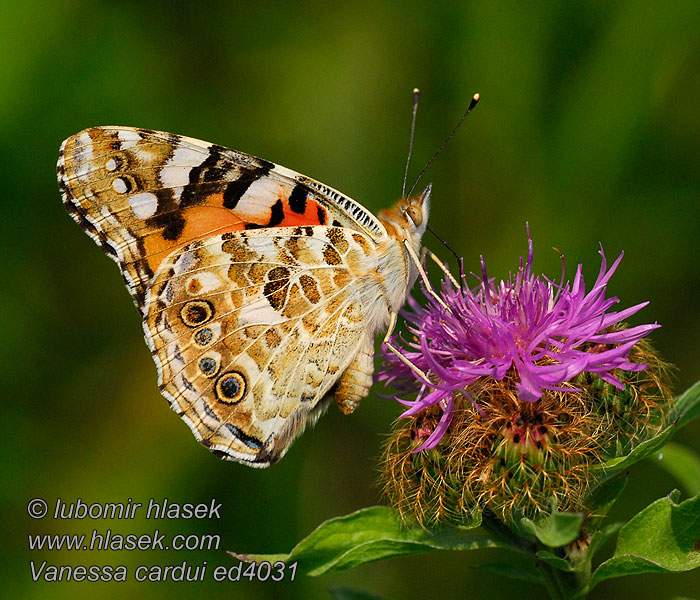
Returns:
point(141, 194)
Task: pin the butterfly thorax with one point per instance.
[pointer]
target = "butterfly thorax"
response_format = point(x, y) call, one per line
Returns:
point(405, 222)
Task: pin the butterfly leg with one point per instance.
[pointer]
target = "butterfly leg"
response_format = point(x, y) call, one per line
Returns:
point(424, 276)
point(442, 266)
point(430, 290)
point(392, 325)
point(355, 382)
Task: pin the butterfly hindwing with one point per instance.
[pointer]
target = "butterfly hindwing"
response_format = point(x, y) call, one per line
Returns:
point(251, 330)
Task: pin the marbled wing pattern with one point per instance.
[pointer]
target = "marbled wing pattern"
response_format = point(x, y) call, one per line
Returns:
point(250, 331)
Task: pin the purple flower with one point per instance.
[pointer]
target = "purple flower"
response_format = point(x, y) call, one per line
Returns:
point(541, 333)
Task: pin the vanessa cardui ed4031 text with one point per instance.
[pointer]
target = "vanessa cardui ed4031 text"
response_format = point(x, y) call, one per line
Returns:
point(260, 289)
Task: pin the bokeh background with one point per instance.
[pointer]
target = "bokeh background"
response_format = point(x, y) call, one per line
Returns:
point(588, 129)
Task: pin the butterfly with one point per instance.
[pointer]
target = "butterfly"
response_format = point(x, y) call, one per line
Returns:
point(260, 289)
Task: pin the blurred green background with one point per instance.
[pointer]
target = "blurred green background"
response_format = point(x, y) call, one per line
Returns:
point(588, 128)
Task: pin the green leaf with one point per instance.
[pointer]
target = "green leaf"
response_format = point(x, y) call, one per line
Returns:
point(664, 537)
point(685, 408)
point(599, 500)
point(522, 572)
point(344, 593)
point(683, 463)
point(547, 556)
point(640, 452)
point(368, 535)
point(556, 529)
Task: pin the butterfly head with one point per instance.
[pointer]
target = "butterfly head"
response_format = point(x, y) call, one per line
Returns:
point(408, 218)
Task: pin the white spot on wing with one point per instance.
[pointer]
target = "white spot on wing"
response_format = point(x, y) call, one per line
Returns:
point(173, 353)
point(83, 144)
point(176, 172)
point(128, 135)
point(184, 262)
point(128, 138)
point(111, 164)
point(259, 312)
point(119, 185)
point(215, 331)
point(260, 196)
point(82, 171)
point(143, 205)
point(285, 172)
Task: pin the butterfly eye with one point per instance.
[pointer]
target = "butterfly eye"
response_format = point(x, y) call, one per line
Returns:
point(415, 215)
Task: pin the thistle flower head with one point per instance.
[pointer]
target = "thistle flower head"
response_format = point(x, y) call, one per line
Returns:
point(542, 334)
point(516, 391)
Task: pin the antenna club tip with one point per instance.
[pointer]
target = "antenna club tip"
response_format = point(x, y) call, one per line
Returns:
point(473, 103)
point(416, 91)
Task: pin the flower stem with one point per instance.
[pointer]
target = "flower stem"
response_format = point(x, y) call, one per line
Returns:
point(559, 585)
point(499, 531)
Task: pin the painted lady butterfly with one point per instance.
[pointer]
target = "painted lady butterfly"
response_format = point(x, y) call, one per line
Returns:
point(260, 289)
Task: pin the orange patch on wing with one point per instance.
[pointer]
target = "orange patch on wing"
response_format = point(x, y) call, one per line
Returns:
point(200, 222)
point(309, 217)
point(214, 219)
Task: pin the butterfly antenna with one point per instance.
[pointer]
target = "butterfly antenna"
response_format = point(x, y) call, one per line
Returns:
point(472, 104)
point(443, 242)
point(416, 97)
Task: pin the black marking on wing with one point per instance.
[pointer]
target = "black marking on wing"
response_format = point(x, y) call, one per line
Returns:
point(210, 412)
point(250, 441)
point(297, 199)
point(146, 133)
point(211, 170)
point(305, 230)
point(235, 189)
point(276, 214)
point(87, 225)
point(186, 381)
point(81, 215)
point(168, 216)
point(127, 185)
